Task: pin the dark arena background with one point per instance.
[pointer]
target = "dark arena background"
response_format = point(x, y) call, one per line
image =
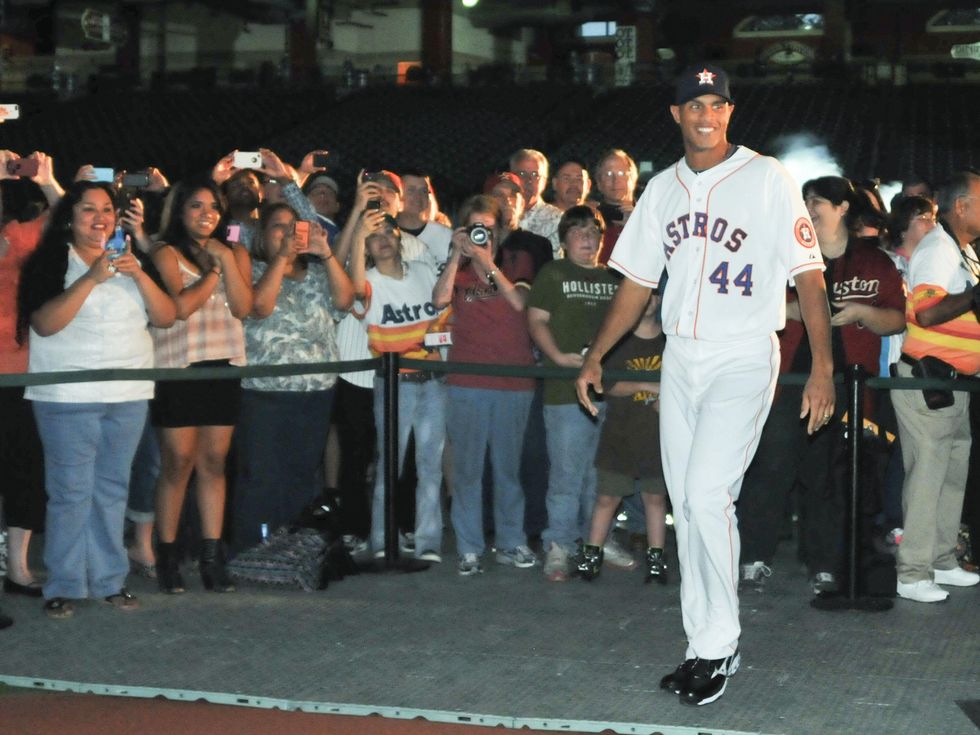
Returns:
point(870, 89)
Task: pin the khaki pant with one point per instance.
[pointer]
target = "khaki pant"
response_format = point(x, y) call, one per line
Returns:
point(936, 454)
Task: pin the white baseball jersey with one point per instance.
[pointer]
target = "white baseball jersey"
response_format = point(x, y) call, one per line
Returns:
point(730, 238)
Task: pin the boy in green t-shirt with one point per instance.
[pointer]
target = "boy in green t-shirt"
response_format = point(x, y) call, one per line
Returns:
point(565, 309)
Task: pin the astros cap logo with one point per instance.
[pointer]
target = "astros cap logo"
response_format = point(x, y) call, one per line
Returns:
point(706, 77)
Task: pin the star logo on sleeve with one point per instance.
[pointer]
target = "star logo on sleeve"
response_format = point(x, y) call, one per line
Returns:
point(706, 77)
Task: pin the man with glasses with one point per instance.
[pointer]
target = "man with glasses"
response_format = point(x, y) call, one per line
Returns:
point(541, 218)
point(616, 177)
point(934, 428)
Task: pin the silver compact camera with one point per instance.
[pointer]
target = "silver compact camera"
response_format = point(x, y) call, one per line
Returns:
point(479, 234)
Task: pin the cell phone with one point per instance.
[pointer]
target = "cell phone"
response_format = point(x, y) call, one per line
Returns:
point(103, 174)
point(25, 167)
point(247, 159)
point(320, 159)
point(233, 233)
point(373, 204)
point(9, 111)
point(302, 234)
point(116, 245)
point(138, 180)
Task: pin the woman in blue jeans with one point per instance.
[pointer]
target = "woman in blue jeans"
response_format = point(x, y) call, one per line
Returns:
point(398, 311)
point(87, 307)
point(488, 290)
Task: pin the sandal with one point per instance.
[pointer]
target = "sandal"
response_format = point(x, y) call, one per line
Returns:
point(123, 600)
point(59, 608)
point(141, 569)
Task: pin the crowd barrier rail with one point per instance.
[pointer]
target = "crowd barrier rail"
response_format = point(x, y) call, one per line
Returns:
point(856, 381)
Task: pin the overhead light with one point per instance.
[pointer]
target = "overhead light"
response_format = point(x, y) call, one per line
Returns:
point(470, 3)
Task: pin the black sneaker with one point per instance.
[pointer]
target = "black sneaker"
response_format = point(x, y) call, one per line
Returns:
point(677, 680)
point(708, 679)
point(656, 566)
point(589, 561)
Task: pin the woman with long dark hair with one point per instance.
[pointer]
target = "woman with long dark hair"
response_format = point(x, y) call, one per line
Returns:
point(210, 281)
point(87, 307)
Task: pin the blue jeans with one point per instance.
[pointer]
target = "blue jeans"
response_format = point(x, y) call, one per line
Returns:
point(279, 444)
point(88, 453)
point(573, 437)
point(478, 417)
point(422, 409)
point(141, 507)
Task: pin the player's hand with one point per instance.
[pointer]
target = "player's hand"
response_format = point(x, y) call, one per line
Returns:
point(848, 312)
point(818, 401)
point(589, 375)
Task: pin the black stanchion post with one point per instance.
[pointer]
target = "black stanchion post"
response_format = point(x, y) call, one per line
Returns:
point(389, 461)
point(389, 454)
point(855, 435)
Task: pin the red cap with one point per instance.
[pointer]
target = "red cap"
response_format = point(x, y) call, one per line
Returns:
point(502, 178)
point(386, 178)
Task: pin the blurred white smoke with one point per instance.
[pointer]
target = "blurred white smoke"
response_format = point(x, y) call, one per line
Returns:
point(805, 157)
point(888, 192)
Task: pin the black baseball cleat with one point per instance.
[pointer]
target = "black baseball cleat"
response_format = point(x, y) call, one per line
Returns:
point(676, 681)
point(708, 679)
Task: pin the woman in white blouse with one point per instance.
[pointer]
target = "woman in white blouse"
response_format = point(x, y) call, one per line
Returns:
point(87, 307)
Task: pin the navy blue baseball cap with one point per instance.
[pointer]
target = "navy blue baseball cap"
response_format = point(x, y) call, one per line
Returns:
point(701, 79)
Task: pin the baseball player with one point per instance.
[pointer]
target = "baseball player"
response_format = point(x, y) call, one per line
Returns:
point(730, 228)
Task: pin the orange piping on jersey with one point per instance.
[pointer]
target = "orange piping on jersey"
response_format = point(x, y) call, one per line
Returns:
point(632, 275)
point(677, 167)
point(704, 257)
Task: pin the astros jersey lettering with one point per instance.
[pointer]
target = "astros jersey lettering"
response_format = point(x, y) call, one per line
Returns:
point(730, 239)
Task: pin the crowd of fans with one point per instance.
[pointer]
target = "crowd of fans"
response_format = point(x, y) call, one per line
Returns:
point(259, 264)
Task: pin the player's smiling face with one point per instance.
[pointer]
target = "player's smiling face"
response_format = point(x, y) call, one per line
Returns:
point(704, 122)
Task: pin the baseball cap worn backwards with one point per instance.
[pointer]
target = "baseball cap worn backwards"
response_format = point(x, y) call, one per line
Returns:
point(702, 79)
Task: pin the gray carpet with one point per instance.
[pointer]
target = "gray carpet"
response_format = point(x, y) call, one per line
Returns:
point(508, 644)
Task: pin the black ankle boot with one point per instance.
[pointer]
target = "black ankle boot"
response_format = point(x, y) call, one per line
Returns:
point(212, 564)
point(168, 569)
point(656, 566)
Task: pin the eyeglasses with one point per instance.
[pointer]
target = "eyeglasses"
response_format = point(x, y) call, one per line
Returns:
point(926, 218)
point(528, 174)
point(614, 174)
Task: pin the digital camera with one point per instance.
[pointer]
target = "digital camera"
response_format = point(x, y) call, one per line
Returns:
point(479, 234)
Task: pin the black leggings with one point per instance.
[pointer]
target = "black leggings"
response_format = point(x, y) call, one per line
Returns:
point(21, 463)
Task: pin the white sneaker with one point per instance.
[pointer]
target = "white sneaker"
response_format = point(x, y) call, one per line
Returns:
point(406, 543)
point(430, 555)
point(957, 577)
point(922, 591)
point(754, 575)
point(556, 563)
point(520, 556)
point(468, 565)
point(617, 557)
